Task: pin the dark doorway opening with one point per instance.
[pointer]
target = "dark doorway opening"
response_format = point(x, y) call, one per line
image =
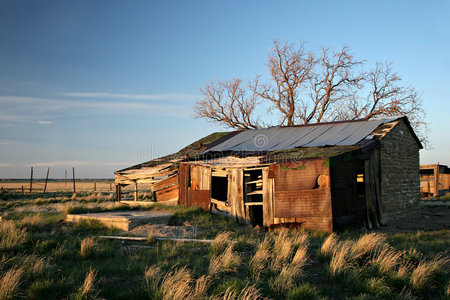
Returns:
point(256, 215)
point(219, 188)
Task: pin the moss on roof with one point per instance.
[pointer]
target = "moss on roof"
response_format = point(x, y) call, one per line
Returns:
point(193, 149)
point(309, 152)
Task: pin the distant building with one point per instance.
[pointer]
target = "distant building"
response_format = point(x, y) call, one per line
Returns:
point(434, 180)
point(322, 176)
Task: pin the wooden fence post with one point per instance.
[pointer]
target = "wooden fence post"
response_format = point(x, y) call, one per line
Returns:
point(95, 186)
point(46, 180)
point(31, 180)
point(118, 193)
point(65, 177)
point(23, 191)
point(136, 191)
point(73, 175)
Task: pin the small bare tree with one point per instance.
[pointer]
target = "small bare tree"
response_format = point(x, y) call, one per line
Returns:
point(302, 88)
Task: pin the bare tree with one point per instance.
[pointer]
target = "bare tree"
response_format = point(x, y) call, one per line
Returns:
point(335, 83)
point(290, 70)
point(226, 102)
point(303, 88)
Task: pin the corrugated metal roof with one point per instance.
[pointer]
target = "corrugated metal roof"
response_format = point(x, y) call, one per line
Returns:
point(311, 135)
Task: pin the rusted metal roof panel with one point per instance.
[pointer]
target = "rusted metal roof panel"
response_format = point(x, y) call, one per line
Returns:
point(315, 135)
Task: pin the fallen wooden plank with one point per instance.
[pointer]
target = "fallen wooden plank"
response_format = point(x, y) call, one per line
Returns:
point(159, 238)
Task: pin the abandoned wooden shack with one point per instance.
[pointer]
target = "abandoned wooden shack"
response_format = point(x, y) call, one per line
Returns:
point(434, 180)
point(323, 176)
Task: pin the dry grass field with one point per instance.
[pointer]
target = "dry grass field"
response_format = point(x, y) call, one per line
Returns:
point(44, 257)
point(60, 185)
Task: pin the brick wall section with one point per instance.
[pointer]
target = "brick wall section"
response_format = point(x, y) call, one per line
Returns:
point(400, 178)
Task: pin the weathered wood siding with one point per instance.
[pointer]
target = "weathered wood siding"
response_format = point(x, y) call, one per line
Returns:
point(236, 194)
point(167, 194)
point(268, 183)
point(297, 200)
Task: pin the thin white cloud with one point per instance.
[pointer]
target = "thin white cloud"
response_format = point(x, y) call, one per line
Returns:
point(4, 165)
point(45, 122)
point(176, 97)
point(5, 142)
point(17, 109)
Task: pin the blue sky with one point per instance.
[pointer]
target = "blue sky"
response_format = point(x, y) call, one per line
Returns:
point(101, 85)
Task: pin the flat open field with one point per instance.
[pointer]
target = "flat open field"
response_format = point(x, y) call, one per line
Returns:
point(61, 186)
point(45, 257)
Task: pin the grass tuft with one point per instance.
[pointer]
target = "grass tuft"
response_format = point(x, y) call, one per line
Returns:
point(329, 245)
point(221, 241)
point(177, 284)
point(152, 277)
point(87, 247)
point(9, 283)
point(387, 259)
point(227, 262)
point(259, 262)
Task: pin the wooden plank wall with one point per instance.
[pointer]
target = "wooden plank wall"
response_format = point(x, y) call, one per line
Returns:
point(200, 185)
point(183, 184)
point(268, 209)
point(167, 194)
point(295, 200)
point(236, 194)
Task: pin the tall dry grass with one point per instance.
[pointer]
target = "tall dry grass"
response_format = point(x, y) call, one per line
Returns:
point(367, 245)
point(282, 249)
point(33, 220)
point(220, 242)
point(341, 258)
point(152, 276)
point(9, 283)
point(424, 272)
point(11, 235)
point(87, 290)
point(259, 262)
point(87, 247)
point(36, 265)
point(249, 292)
point(387, 259)
point(226, 262)
point(202, 285)
point(329, 245)
point(176, 284)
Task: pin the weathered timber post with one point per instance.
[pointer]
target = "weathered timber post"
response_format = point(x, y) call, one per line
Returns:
point(110, 186)
point(73, 175)
point(31, 180)
point(135, 191)
point(23, 191)
point(118, 193)
point(95, 186)
point(46, 180)
point(65, 177)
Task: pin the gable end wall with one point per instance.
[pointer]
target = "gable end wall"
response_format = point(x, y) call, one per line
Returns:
point(400, 177)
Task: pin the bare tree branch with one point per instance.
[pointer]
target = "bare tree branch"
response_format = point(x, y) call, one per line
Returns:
point(226, 103)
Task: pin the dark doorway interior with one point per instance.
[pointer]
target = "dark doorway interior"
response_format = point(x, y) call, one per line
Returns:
point(256, 215)
point(219, 188)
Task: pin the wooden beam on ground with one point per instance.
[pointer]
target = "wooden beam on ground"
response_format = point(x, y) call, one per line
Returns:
point(159, 238)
